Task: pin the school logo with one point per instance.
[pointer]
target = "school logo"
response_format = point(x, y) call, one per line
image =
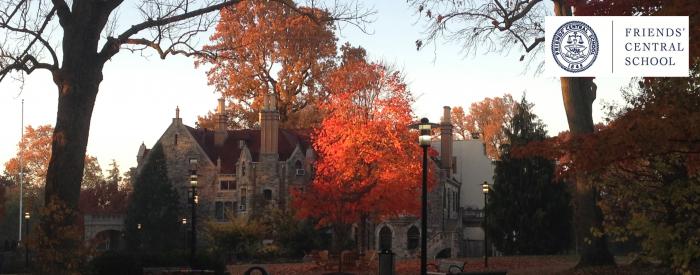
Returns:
point(575, 46)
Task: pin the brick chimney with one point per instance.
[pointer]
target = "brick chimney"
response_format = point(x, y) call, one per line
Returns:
point(220, 133)
point(446, 139)
point(269, 127)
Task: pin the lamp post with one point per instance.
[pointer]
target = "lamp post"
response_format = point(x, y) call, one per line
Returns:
point(424, 126)
point(485, 189)
point(194, 200)
point(26, 235)
point(184, 236)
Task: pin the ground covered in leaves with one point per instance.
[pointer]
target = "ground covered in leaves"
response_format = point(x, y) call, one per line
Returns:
point(521, 265)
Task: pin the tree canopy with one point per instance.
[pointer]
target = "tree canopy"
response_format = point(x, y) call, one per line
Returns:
point(267, 48)
point(369, 161)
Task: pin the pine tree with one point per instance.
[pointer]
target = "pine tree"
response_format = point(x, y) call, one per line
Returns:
point(154, 205)
point(528, 210)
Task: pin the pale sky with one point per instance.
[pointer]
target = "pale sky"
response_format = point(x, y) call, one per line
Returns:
point(138, 95)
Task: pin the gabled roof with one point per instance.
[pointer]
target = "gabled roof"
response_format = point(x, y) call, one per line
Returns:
point(231, 151)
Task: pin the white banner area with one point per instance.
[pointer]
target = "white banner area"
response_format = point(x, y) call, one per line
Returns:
point(618, 46)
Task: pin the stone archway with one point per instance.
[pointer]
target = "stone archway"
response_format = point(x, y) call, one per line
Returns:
point(103, 227)
point(385, 238)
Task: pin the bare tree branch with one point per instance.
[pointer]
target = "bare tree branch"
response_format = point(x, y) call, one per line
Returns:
point(495, 25)
point(113, 44)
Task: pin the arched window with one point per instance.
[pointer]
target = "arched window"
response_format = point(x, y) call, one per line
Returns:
point(385, 238)
point(412, 238)
point(267, 194)
point(298, 165)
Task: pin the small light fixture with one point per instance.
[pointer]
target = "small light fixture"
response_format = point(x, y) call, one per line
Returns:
point(184, 221)
point(193, 178)
point(138, 226)
point(485, 187)
point(26, 215)
point(196, 199)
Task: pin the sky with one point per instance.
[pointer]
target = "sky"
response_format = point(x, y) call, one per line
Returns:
point(139, 94)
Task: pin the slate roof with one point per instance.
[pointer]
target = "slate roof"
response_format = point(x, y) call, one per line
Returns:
point(230, 151)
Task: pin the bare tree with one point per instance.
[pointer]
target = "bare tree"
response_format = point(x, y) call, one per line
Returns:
point(73, 39)
point(502, 25)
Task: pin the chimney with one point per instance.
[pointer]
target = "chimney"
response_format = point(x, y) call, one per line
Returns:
point(177, 119)
point(269, 126)
point(446, 139)
point(220, 133)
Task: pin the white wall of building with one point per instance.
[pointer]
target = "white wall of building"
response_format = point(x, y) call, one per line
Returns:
point(473, 168)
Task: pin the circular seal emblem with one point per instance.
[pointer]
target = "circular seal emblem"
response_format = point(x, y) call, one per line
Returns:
point(575, 46)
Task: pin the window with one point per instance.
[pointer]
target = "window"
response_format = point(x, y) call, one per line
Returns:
point(456, 201)
point(219, 210)
point(243, 199)
point(299, 168)
point(227, 185)
point(243, 169)
point(454, 165)
point(444, 198)
point(385, 238)
point(228, 210)
point(267, 194)
point(412, 238)
point(175, 139)
point(223, 210)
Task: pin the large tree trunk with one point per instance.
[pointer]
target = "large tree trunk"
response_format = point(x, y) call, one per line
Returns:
point(578, 94)
point(78, 80)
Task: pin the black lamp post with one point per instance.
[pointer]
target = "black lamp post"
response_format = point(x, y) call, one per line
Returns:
point(26, 237)
point(424, 126)
point(194, 201)
point(485, 189)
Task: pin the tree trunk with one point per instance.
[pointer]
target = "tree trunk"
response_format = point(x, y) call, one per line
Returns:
point(78, 83)
point(578, 94)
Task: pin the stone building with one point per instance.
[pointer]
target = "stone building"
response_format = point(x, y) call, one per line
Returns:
point(472, 167)
point(240, 172)
point(402, 235)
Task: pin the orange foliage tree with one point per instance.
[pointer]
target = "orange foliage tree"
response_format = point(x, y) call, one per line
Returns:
point(488, 119)
point(369, 162)
point(265, 47)
point(460, 123)
point(35, 151)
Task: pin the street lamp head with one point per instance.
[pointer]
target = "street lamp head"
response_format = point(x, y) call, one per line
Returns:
point(26, 215)
point(184, 221)
point(424, 127)
point(485, 187)
point(196, 199)
point(193, 178)
point(138, 226)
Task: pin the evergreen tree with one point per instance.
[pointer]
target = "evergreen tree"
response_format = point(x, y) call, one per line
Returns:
point(154, 205)
point(528, 210)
